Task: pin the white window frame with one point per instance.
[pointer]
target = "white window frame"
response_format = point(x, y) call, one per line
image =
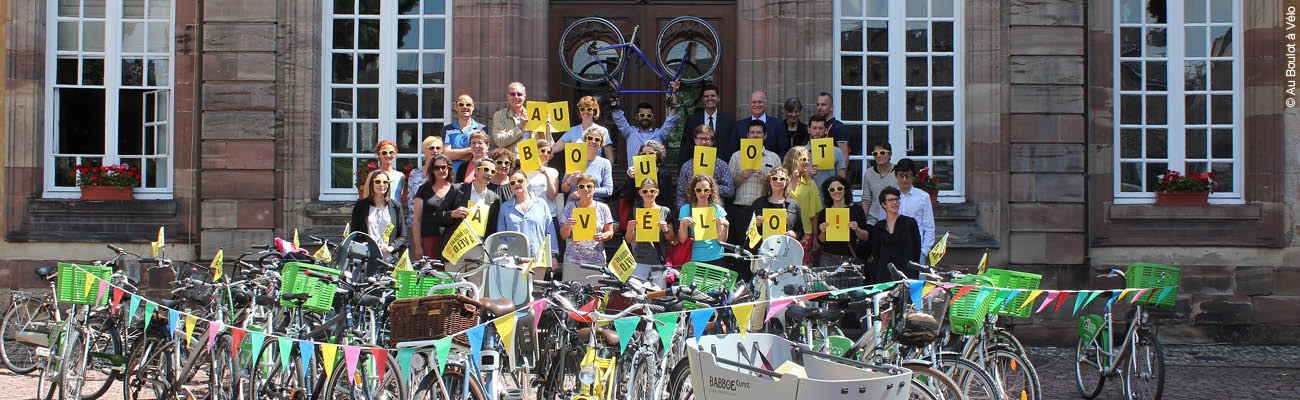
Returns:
point(897, 89)
point(387, 121)
point(113, 20)
point(1175, 47)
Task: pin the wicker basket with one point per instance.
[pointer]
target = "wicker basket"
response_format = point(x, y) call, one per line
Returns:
point(431, 317)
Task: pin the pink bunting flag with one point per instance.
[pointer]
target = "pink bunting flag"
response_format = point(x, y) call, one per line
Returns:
point(117, 297)
point(945, 286)
point(350, 355)
point(1061, 300)
point(537, 307)
point(1051, 295)
point(103, 290)
point(214, 328)
point(1138, 295)
point(380, 359)
point(236, 337)
point(776, 307)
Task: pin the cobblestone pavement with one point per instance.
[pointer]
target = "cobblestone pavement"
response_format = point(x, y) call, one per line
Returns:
point(1193, 372)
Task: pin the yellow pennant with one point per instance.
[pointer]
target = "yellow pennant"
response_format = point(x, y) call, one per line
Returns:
point(622, 263)
point(190, 320)
point(984, 261)
point(403, 262)
point(542, 259)
point(90, 283)
point(925, 291)
point(743, 312)
point(217, 262)
point(295, 239)
point(937, 252)
point(1122, 294)
point(506, 328)
point(478, 218)
point(328, 354)
point(752, 234)
point(323, 254)
point(347, 228)
point(1032, 296)
point(460, 242)
point(157, 246)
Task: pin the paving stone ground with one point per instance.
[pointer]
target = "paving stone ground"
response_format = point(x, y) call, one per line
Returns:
point(1193, 372)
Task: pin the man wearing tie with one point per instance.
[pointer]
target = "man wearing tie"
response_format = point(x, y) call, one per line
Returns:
point(720, 121)
point(777, 140)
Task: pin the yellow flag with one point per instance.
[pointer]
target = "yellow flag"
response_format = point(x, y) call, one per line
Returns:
point(647, 225)
point(323, 254)
point(328, 352)
point(575, 157)
point(773, 222)
point(559, 116)
point(536, 112)
point(478, 218)
point(622, 263)
point(751, 155)
point(823, 153)
point(296, 246)
point(585, 228)
point(542, 259)
point(937, 252)
point(705, 159)
point(347, 228)
point(403, 263)
point(743, 312)
point(837, 224)
point(528, 155)
point(460, 242)
point(217, 262)
point(647, 167)
point(1032, 296)
point(190, 320)
point(90, 283)
point(506, 328)
point(984, 262)
point(752, 233)
point(156, 246)
point(705, 227)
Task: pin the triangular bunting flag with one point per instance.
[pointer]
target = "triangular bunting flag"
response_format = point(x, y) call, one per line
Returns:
point(214, 328)
point(776, 307)
point(1114, 297)
point(917, 290)
point(173, 317)
point(537, 306)
point(506, 330)
point(130, 312)
point(960, 292)
point(350, 355)
point(843, 291)
point(666, 328)
point(149, 308)
point(255, 341)
point(1033, 295)
point(743, 313)
point(813, 296)
point(295, 239)
point(323, 254)
point(403, 262)
point(90, 284)
point(443, 348)
point(700, 319)
point(404, 360)
point(380, 357)
point(1164, 292)
point(591, 305)
point(984, 262)
point(752, 233)
point(190, 320)
point(1010, 297)
point(625, 327)
point(306, 351)
point(286, 348)
point(158, 244)
point(328, 352)
point(103, 290)
point(236, 338)
point(940, 289)
point(1050, 296)
point(1137, 295)
point(117, 297)
point(1122, 293)
point(981, 296)
point(1078, 301)
point(999, 296)
point(475, 335)
point(929, 288)
point(1061, 300)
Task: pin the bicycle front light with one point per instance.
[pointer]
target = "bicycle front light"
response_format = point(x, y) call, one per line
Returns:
point(587, 375)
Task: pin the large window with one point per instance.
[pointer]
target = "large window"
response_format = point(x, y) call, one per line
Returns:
point(899, 79)
point(1178, 95)
point(108, 91)
point(385, 71)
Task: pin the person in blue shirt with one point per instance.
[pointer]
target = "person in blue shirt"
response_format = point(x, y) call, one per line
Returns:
point(588, 110)
point(704, 193)
point(836, 129)
point(597, 166)
point(528, 215)
point(644, 130)
point(456, 134)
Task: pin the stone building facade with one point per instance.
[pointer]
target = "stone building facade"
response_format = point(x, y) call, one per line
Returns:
point(1024, 107)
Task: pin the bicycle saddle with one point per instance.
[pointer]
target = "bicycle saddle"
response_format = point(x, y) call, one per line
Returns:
point(610, 336)
point(795, 311)
point(497, 307)
point(296, 298)
point(46, 272)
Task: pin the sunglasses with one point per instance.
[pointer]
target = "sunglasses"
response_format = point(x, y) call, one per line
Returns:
point(379, 181)
point(645, 115)
point(585, 186)
point(594, 139)
point(804, 159)
point(703, 190)
point(518, 182)
point(587, 109)
point(835, 189)
point(504, 163)
point(645, 153)
point(649, 191)
point(387, 152)
point(777, 178)
point(490, 171)
point(516, 94)
point(879, 153)
point(545, 150)
point(434, 148)
point(441, 167)
point(892, 200)
point(464, 104)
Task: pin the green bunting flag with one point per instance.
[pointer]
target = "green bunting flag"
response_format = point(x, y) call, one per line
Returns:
point(130, 312)
point(1164, 292)
point(286, 347)
point(443, 348)
point(625, 326)
point(404, 361)
point(1078, 302)
point(666, 328)
point(149, 308)
point(255, 341)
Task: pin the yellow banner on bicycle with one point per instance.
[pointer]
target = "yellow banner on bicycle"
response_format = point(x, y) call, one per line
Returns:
point(622, 263)
point(460, 242)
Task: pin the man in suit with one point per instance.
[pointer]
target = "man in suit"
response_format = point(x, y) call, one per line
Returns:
point(720, 121)
point(777, 140)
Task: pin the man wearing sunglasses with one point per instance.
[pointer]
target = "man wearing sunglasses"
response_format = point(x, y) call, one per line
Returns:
point(711, 115)
point(508, 123)
point(835, 128)
point(456, 134)
point(644, 130)
point(817, 130)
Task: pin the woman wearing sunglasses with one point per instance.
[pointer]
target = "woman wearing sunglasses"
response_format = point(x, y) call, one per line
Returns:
point(386, 151)
point(585, 251)
point(505, 162)
point(598, 167)
point(630, 191)
point(378, 215)
point(432, 146)
point(876, 179)
point(523, 213)
point(836, 194)
point(803, 189)
point(653, 253)
point(431, 219)
point(703, 192)
point(588, 111)
point(544, 183)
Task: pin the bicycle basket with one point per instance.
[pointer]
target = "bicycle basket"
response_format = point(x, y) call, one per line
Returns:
point(72, 283)
point(848, 278)
point(965, 317)
point(1009, 279)
point(706, 278)
point(1157, 277)
point(295, 280)
point(431, 317)
point(411, 285)
point(188, 270)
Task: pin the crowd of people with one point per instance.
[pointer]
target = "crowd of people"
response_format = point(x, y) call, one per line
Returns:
point(474, 164)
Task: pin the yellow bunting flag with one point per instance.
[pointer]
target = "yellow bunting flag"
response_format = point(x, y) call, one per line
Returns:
point(743, 313)
point(1032, 295)
point(190, 320)
point(388, 232)
point(704, 161)
point(647, 167)
point(705, 227)
point(328, 355)
point(218, 262)
point(323, 254)
point(773, 222)
point(347, 228)
point(296, 246)
point(585, 227)
point(478, 218)
point(837, 224)
point(751, 154)
point(925, 291)
point(752, 234)
point(506, 328)
point(984, 262)
point(939, 249)
point(529, 157)
point(157, 246)
point(647, 225)
point(823, 153)
point(575, 157)
point(90, 283)
point(460, 242)
point(622, 263)
point(403, 262)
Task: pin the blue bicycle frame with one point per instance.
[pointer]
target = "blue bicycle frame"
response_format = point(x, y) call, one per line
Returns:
point(619, 86)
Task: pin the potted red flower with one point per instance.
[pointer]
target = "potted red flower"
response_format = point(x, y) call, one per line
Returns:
point(107, 182)
point(1176, 189)
point(928, 183)
point(361, 176)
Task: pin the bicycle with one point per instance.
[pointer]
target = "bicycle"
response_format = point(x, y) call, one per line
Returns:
point(1139, 360)
point(593, 50)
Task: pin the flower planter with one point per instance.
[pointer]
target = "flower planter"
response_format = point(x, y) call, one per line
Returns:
point(934, 197)
point(105, 193)
point(1182, 198)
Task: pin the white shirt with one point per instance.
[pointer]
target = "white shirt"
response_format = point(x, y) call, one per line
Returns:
point(915, 203)
point(476, 196)
point(377, 222)
point(711, 119)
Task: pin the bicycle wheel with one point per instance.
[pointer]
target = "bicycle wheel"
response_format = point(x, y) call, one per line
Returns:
point(144, 368)
point(273, 379)
point(972, 379)
point(1004, 337)
point(1015, 375)
point(578, 53)
point(1145, 376)
point(680, 386)
point(85, 369)
point(688, 49)
point(365, 383)
point(918, 391)
point(29, 318)
point(1088, 368)
point(934, 382)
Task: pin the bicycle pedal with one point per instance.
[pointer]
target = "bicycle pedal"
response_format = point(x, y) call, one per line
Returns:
point(513, 394)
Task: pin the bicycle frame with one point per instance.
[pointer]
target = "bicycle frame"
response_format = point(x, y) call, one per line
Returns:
point(1117, 356)
point(618, 87)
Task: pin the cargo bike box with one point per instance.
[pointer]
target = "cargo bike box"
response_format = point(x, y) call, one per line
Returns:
point(746, 368)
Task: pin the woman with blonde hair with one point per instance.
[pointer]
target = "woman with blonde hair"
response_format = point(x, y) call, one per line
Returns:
point(803, 189)
point(776, 187)
point(378, 215)
point(588, 111)
point(703, 192)
point(432, 146)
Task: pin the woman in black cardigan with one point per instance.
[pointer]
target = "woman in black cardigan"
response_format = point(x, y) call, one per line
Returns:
point(375, 213)
point(894, 240)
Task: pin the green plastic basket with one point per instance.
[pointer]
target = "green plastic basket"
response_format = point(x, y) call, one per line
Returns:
point(72, 283)
point(964, 316)
point(295, 281)
point(411, 285)
point(1156, 276)
point(1026, 282)
point(705, 278)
